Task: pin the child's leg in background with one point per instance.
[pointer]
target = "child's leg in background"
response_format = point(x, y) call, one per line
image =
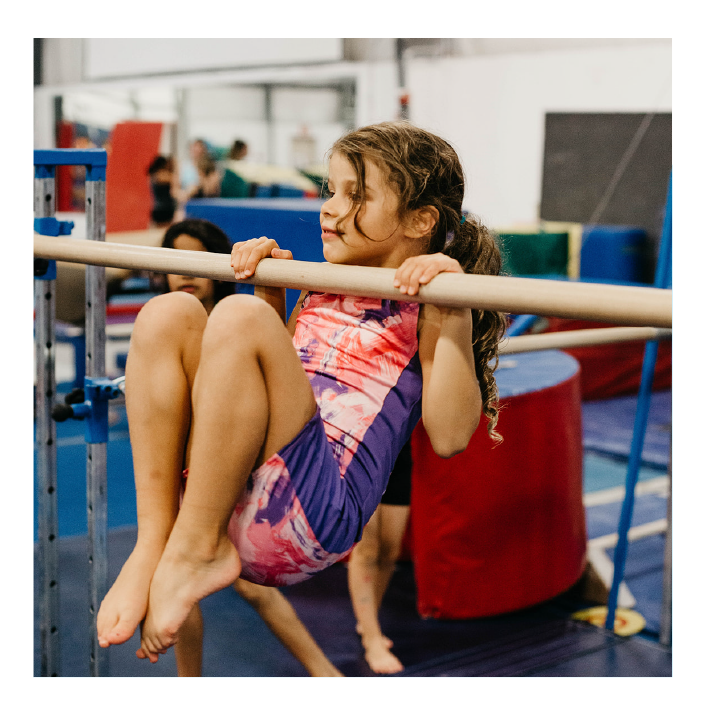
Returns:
point(189, 648)
point(161, 367)
point(279, 615)
point(370, 569)
point(250, 398)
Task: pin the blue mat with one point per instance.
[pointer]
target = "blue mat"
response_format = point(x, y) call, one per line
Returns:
point(608, 426)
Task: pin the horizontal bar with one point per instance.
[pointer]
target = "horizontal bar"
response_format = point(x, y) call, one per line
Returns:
point(638, 306)
point(579, 338)
point(93, 157)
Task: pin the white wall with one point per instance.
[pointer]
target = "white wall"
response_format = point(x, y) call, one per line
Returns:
point(492, 107)
point(489, 99)
point(105, 58)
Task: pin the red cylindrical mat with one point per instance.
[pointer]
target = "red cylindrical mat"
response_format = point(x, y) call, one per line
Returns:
point(501, 528)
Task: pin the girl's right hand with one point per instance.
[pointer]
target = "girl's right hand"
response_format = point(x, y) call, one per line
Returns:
point(245, 256)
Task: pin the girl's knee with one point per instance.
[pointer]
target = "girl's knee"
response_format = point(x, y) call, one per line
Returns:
point(242, 313)
point(366, 553)
point(389, 552)
point(165, 312)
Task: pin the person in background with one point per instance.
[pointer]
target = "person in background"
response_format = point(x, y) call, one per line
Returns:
point(161, 181)
point(238, 151)
point(233, 186)
point(272, 606)
point(188, 172)
point(372, 563)
point(209, 178)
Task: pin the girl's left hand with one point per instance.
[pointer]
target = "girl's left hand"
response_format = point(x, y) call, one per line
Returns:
point(246, 254)
point(421, 269)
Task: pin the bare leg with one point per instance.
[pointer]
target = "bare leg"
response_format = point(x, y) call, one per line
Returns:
point(277, 612)
point(189, 647)
point(370, 569)
point(161, 367)
point(251, 397)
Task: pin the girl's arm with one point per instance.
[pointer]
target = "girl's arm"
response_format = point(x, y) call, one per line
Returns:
point(291, 324)
point(243, 260)
point(451, 402)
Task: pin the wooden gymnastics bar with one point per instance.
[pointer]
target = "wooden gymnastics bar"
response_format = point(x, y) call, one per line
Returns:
point(579, 338)
point(635, 306)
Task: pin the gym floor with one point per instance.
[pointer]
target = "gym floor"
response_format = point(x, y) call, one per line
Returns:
point(538, 641)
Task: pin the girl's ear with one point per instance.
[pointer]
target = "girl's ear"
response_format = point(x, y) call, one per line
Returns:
point(423, 222)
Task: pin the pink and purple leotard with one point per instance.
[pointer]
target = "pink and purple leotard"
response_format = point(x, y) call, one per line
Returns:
point(307, 505)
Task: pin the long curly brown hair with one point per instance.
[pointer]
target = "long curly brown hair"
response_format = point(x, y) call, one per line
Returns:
point(425, 170)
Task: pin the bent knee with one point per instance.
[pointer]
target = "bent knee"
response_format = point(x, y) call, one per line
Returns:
point(167, 314)
point(170, 307)
point(243, 313)
point(389, 552)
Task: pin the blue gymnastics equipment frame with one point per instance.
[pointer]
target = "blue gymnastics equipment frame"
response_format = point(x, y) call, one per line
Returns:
point(97, 390)
point(663, 279)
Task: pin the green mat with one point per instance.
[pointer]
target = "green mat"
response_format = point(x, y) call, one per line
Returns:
point(534, 254)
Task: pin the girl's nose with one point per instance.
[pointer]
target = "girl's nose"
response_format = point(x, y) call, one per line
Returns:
point(328, 208)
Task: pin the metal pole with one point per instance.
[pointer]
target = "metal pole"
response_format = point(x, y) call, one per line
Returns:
point(662, 280)
point(96, 453)
point(269, 122)
point(44, 307)
point(666, 602)
point(400, 45)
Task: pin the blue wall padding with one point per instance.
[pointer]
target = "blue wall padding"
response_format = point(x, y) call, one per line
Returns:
point(293, 223)
point(616, 253)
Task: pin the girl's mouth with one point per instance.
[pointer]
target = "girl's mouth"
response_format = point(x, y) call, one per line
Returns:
point(327, 234)
point(188, 288)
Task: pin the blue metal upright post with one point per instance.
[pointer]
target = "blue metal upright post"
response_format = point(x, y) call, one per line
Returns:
point(96, 452)
point(95, 162)
point(663, 280)
point(45, 446)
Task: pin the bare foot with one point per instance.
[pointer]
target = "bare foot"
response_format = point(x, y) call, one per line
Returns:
point(387, 641)
point(125, 605)
point(180, 580)
point(379, 657)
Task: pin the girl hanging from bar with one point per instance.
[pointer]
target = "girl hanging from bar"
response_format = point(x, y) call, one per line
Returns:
point(289, 444)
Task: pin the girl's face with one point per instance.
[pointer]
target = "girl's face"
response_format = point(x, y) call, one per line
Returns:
point(201, 287)
point(384, 243)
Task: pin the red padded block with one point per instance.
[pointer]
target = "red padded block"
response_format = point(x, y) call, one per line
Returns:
point(609, 370)
point(501, 528)
point(64, 173)
point(128, 197)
